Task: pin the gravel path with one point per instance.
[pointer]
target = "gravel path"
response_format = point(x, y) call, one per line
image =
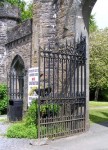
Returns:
point(12, 143)
point(3, 127)
point(3, 124)
point(95, 139)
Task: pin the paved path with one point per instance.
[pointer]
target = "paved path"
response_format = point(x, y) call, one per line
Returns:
point(95, 139)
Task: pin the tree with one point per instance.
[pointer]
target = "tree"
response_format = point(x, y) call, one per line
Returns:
point(92, 24)
point(99, 61)
point(26, 10)
point(27, 13)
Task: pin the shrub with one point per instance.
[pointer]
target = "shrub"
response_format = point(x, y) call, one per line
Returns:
point(28, 127)
point(32, 114)
point(3, 99)
point(49, 110)
point(20, 130)
point(45, 111)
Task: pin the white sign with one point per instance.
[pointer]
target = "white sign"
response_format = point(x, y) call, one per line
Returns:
point(33, 74)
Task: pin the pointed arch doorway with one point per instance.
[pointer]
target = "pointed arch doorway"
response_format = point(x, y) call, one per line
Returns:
point(16, 89)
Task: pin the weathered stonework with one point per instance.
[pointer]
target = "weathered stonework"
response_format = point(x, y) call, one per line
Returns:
point(54, 22)
point(15, 39)
point(72, 22)
point(44, 26)
point(19, 43)
point(9, 16)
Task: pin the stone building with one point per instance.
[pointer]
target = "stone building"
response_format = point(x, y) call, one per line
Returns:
point(15, 39)
point(19, 43)
point(9, 17)
point(15, 44)
point(54, 22)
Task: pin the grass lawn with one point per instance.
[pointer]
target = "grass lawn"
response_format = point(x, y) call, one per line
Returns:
point(96, 104)
point(2, 119)
point(100, 114)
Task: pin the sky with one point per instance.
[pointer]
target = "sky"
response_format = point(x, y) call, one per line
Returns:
point(28, 1)
point(101, 13)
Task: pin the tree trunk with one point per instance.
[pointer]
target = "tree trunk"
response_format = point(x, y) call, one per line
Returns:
point(96, 94)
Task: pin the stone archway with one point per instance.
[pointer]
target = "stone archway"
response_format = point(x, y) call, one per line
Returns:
point(86, 11)
point(16, 89)
point(17, 70)
point(17, 65)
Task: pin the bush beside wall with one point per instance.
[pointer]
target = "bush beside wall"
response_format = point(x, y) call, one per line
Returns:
point(3, 99)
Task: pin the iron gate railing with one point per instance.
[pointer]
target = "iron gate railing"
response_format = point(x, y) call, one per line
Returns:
point(62, 91)
point(15, 84)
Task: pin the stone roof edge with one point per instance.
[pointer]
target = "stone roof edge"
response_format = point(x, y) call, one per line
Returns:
point(21, 30)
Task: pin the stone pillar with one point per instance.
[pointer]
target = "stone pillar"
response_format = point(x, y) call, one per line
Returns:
point(86, 8)
point(44, 26)
point(3, 38)
point(66, 20)
point(72, 23)
point(25, 96)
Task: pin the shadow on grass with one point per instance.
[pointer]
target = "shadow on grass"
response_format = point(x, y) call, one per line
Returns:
point(102, 120)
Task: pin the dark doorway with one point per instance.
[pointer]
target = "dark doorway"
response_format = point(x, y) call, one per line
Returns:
point(15, 89)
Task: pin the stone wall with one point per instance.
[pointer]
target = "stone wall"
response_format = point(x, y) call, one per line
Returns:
point(21, 47)
point(19, 43)
point(44, 26)
point(9, 16)
point(9, 11)
point(19, 31)
point(15, 39)
point(66, 23)
point(3, 38)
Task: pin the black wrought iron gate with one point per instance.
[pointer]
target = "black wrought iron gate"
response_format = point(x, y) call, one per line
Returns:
point(62, 90)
